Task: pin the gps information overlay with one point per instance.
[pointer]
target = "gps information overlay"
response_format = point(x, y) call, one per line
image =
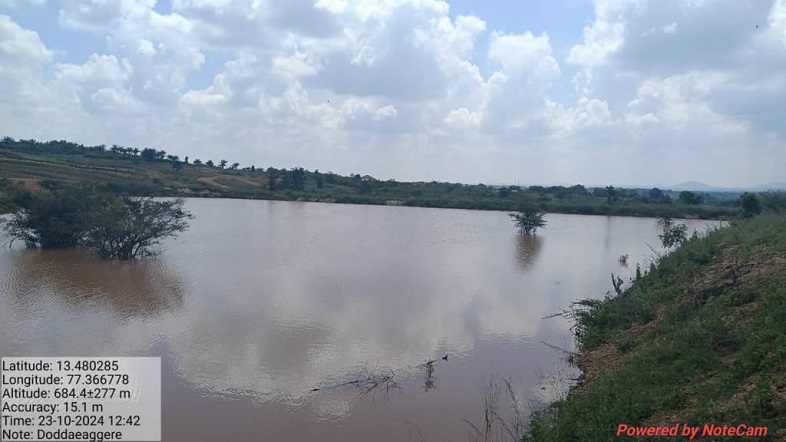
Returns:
point(89, 399)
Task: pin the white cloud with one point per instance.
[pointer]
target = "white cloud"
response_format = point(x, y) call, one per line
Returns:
point(516, 93)
point(20, 47)
point(375, 85)
point(385, 112)
point(462, 118)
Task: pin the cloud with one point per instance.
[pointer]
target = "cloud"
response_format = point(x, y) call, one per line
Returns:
point(462, 118)
point(13, 4)
point(517, 90)
point(20, 47)
point(705, 35)
point(374, 85)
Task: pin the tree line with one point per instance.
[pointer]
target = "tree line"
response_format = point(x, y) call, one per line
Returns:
point(297, 182)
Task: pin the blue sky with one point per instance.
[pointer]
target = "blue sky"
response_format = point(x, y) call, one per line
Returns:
point(626, 92)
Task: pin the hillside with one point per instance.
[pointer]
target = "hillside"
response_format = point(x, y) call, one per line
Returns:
point(34, 165)
point(699, 339)
point(695, 186)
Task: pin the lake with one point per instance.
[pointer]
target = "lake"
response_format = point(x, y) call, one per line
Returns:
point(308, 321)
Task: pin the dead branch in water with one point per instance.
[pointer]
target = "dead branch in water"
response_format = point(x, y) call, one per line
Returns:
point(370, 381)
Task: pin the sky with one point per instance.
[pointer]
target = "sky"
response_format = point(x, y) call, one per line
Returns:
point(623, 92)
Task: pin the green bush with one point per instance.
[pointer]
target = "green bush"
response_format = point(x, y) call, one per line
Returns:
point(74, 215)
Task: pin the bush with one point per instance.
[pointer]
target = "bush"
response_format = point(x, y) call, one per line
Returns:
point(673, 234)
point(774, 201)
point(127, 227)
point(528, 215)
point(750, 205)
point(58, 219)
point(73, 216)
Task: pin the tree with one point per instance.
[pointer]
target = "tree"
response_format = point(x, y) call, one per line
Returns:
point(688, 197)
point(528, 216)
point(673, 234)
point(209, 163)
point(197, 161)
point(149, 154)
point(611, 195)
point(128, 227)
point(234, 166)
point(578, 190)
point(773, 200)
point(656, 194)
point(73, 216)
point(272, 176)
point(222, 164)
point(296, 178)
point(504, 192)
point(750, 205)
point(52, 220)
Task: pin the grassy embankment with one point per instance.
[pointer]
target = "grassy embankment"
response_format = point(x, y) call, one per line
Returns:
point(33, 165)
point(700, 338)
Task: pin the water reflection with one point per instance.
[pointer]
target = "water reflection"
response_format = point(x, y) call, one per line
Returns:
point(527, 249)
point(260, 303)
point(127, 289)
point(429, 383)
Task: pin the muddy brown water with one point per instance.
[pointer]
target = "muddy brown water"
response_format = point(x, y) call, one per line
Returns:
point(262, 302)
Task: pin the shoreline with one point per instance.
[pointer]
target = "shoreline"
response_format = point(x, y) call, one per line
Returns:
point(596, 210)
point(675, 347)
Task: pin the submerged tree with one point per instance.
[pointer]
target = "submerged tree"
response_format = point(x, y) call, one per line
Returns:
point(528, 216)
point(127, 227)
point(55, 219)
point(74, 216)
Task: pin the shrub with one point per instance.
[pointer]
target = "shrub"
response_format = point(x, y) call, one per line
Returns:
point(118, 227)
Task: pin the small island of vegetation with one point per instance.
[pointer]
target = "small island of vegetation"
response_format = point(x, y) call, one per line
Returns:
point(117, 227)
point(528, 217)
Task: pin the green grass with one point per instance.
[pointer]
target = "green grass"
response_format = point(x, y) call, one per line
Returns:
point(692, 346)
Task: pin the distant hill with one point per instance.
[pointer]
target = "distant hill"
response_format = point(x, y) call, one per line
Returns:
point(695, 186)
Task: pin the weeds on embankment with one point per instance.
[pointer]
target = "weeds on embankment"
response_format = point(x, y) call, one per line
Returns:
point(700, 338)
